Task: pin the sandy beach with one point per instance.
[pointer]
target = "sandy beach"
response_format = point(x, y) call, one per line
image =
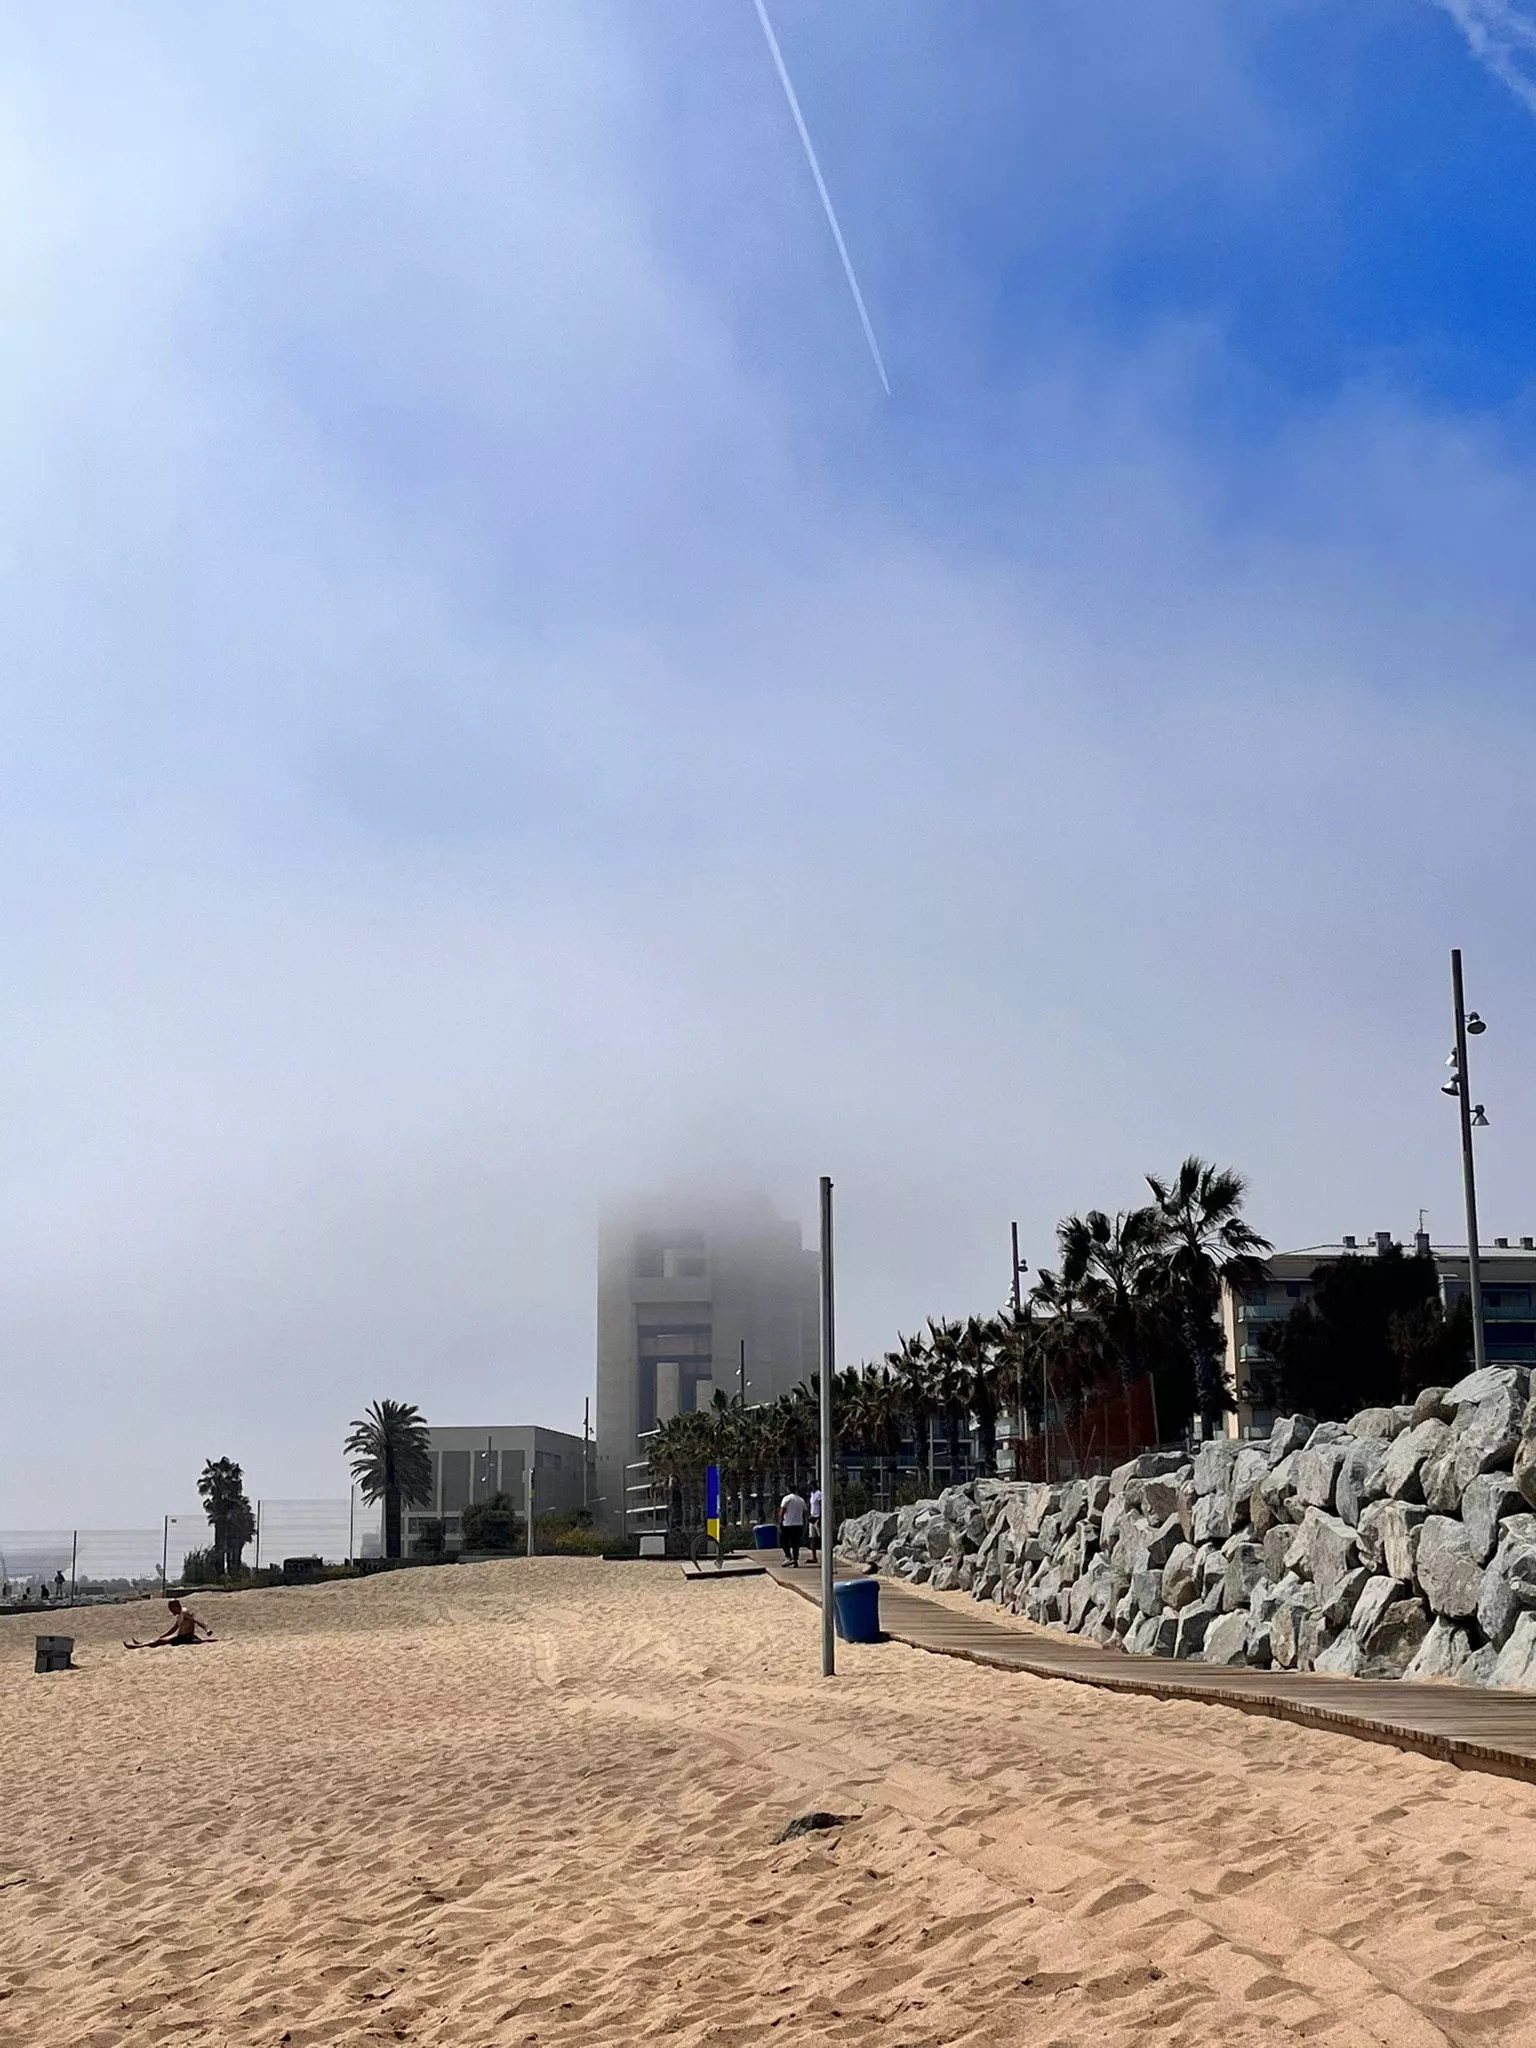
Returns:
point(538, 1803)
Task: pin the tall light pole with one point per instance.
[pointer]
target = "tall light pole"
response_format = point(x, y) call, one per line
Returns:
point(1460, 1085)
point(1020, 1268)
point(828, 1369)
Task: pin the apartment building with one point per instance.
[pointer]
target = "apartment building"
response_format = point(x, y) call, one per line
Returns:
point(1509, 1305)
point(694, 1296)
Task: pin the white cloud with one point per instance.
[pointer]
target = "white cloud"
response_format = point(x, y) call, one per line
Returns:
point(1502, 35)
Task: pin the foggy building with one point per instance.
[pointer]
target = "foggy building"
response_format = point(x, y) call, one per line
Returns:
point(681, 1288)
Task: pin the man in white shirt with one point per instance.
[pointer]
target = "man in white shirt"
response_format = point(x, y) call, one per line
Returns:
point(813, 1531)
point(792, 1526)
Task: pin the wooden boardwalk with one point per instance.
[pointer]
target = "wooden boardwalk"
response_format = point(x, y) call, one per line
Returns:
point(1468, 1726)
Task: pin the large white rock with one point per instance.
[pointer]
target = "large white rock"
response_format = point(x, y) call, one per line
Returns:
point(1487, 1381)
point(1484, 1505)
point(1517, 1660)
point(1277, 1488)
point(1360, 1478)
point(1317, 1469)
point(1451, 1578)
point(1147, 1465)
point(1226, 1640)
point(1249, 1467)
point(1288, 1434)
point(1243, 1570)
point(1180, 1577)
point(1525, 1454)
point(1379, 1422)
point(1324, 1550)
point(1343, 1656)
point(1376, 1596)
point(1394, 1639)
point(1212, 1518)
point(1214, 1464)
point(1400, 1473)
point(1442, 1653)
point(1509, 1585)
point(1401, 1529)
point(1488, 1422)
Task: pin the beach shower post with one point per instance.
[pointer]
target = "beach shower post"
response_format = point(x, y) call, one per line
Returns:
point(828, 1369)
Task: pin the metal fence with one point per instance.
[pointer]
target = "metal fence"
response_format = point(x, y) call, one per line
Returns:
point(75, 1565)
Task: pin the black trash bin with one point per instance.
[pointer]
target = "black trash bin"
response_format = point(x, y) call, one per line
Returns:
point(54, 1653)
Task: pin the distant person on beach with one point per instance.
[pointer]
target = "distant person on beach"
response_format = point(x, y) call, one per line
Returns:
point(813, 1531)
point(183, 1629)
point(792, 1526)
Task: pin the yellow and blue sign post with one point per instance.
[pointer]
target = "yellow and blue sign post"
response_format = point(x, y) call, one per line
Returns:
point(712, 1501)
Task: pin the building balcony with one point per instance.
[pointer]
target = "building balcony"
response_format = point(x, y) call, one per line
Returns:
point(669, 1291)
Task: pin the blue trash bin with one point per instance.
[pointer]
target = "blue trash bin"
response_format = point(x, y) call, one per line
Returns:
point(856, 1610)
point(765, 1535)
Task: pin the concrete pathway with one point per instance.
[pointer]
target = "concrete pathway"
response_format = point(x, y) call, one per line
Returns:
point(1476, 1729)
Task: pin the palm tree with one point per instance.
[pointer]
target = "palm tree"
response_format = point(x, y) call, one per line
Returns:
point(1070, 1343)
point(978, 1347)
point(1114, 1267)
point(912, 1370)
point(1206, 1242)
point(391, 1453)
point(222, 1491)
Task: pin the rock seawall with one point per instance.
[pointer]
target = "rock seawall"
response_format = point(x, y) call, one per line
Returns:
point(1401, 1544)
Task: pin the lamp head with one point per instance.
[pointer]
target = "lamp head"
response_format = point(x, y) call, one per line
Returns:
point(1475, 1025)
point(1480, 1122)
point(1451, 1087)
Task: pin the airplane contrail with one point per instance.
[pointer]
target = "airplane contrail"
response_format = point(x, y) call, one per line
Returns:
point(826, 197)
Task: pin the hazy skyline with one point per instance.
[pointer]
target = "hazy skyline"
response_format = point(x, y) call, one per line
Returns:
point(501, 707)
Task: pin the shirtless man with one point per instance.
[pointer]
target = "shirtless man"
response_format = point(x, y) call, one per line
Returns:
point(183, 1629)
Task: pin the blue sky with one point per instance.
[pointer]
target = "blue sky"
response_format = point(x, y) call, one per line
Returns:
point(501, 705)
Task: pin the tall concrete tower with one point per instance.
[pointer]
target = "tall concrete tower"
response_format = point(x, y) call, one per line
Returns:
point(681, 1285)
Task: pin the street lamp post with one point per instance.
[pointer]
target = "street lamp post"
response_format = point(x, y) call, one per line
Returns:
point(1460, 1085)
point(1020, 1268)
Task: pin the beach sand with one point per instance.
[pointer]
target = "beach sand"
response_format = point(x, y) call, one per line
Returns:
point(537, 1802)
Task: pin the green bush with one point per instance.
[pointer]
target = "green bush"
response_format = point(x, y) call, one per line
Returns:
point(490, 1524)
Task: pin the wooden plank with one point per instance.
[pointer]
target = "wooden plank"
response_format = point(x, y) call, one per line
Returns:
point(1474, 1730)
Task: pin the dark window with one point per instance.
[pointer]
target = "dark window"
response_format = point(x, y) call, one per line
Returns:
point(455, 1480)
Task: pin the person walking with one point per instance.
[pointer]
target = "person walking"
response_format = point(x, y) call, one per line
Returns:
point(792, 1513)
point(813, 1527)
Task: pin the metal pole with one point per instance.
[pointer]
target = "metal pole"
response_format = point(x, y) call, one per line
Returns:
point(1468, 1175)
point(257, 1566)
point(165, 1553)
point(74, 1555)
point(741, 1374)
point(529, 1491)
point(586, 1432)
point(351, 1521)
point(1018, 1362)
point(828, 1367)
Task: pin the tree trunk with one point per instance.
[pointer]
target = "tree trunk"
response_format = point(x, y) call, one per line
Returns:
point(392, 1521)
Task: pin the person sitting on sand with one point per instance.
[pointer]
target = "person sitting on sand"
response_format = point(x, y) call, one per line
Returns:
point(183, 1629)
point(792, 1526)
